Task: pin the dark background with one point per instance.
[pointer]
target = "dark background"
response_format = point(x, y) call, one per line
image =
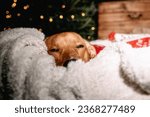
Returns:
point(46, 15)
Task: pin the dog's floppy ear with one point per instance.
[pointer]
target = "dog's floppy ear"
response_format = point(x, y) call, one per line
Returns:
point(91, 49)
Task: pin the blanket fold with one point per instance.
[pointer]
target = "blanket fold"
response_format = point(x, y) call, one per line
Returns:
point(135, 66)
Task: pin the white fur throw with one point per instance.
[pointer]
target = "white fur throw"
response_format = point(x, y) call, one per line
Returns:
point(28, 72)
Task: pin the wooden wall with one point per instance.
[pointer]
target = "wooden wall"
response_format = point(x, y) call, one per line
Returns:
point(122, 16)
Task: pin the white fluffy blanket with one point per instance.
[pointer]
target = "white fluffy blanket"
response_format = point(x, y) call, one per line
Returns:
point(28, 72)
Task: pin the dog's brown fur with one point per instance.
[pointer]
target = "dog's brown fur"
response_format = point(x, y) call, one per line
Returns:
point(69, 45)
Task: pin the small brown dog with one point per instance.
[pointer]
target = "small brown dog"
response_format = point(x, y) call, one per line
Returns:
point(69, 46)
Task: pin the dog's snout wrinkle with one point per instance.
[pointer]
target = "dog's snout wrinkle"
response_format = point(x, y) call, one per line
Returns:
point(70, 54)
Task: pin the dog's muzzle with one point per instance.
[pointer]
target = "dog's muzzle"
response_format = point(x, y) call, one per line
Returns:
point(68, 61)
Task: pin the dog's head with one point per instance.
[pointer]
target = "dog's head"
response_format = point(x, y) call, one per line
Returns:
point(69, 46)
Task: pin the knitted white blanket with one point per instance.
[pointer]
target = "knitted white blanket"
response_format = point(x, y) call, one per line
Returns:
point(28, 72)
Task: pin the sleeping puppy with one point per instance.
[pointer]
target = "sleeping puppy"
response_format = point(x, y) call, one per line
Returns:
point(69, 46)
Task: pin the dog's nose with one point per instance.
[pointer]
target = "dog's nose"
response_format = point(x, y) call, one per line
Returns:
point(68, 61)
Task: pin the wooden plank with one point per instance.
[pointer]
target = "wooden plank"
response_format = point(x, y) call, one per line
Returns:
point(125, 24)
point(123, 6)
point(121, 27)
point(103, 34)
point(111, 17)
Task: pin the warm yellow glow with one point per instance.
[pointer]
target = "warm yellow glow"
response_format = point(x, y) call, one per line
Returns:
point(72, 16)
point(89, 37)
point(15, 0)
point(8, 16)
point(83, 14)
point(7, 12)
point(92, 28)
point(50, 19)
point(63, 6)
point(13, 5)
point(18, 14)
point(41, 17)
point(26, 7)
point(61, 16)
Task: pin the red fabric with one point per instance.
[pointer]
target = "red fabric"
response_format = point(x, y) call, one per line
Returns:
point(111, 36)
point(136, 43)
point(98, 48)
point(139, 43)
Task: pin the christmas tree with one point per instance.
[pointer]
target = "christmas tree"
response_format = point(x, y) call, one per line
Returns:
point(51, 16)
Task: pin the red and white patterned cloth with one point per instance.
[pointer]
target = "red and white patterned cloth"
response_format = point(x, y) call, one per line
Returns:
point(98, 48)
point(135, 40)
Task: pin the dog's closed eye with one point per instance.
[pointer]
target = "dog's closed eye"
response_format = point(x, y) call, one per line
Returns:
point(54, 50)
point(80, 46)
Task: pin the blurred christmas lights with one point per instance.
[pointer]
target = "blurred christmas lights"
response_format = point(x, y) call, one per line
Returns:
point(72, 16)
point(63, 6)
point(50, 19)
point(8, 16)
point(92, 28)
point(83, 14)
point(61, 16)
point(15, 0)
point(13, 5)
point(7, 12)
point(41, 17)
point(89, 37)
point(18, 14)
point(26, 7)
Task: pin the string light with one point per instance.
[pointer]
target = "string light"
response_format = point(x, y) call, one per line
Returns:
point(15, 1)
point(92, 28)
point(61, 16)
point(18, 14)
point(13, 5)
point(8, 16)
point(72, 16)
point(50, 19)
point(26, 7)
point(41, 17)
point(63, 6)
point(89, 37)
point(7, 12)
point(83, 14)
